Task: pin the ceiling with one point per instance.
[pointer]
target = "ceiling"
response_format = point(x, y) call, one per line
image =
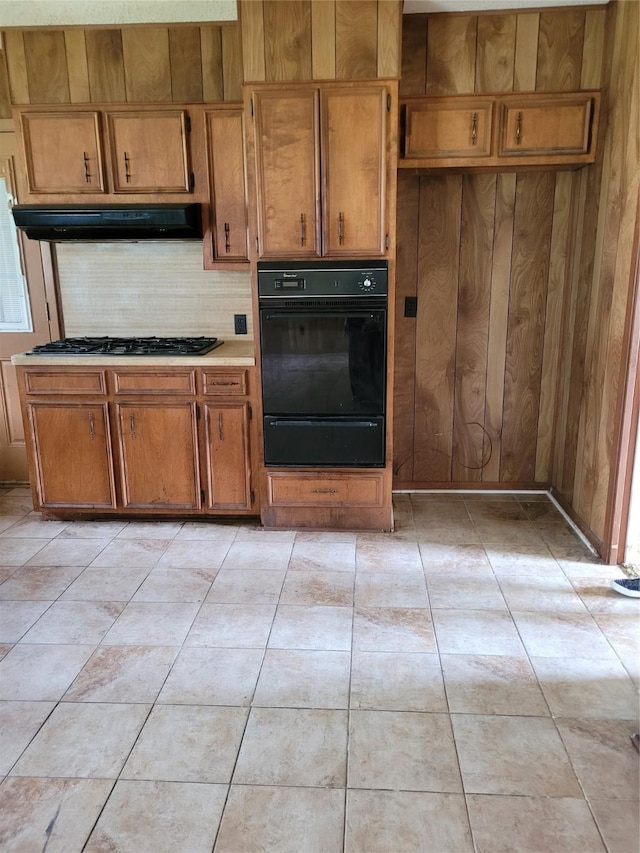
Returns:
point(426, 6)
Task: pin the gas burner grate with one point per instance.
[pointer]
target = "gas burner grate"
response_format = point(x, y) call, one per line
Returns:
point(128, 346)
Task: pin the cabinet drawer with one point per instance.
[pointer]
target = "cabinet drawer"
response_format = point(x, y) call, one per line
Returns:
point(224, 383)
point(325, 489)
point(64, 382)
point(146, 382)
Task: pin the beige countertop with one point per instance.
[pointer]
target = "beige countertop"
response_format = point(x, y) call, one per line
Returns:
point(232, 353)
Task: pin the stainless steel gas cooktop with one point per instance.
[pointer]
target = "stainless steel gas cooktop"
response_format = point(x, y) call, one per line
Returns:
point(128, 346)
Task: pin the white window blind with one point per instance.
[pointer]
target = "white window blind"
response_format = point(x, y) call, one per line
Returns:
point(15, 315)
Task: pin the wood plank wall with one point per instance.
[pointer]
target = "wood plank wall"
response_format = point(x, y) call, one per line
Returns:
point(297, 40)
point(145, 64)
point(476, 372)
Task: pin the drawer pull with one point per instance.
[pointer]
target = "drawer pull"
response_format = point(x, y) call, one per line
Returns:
point(324, 491)
point(225, 383)
point(518, 128)
point(474, 128)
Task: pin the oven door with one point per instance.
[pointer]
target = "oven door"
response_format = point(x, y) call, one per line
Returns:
point(318, 362)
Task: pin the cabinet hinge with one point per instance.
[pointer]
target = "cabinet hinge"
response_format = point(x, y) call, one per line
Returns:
point(197, 412)
point(388, 103)
point(192, 181)
point(250, 411)
point(253, 497)
point(187, 124)
point(48, 313)
point(251, 107)
point(386, 241)
point(256, 244)
point(202, 495)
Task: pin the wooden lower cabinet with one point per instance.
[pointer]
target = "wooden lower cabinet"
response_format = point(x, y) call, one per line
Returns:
point(227, 445)
point(71, 454)
point(158, 445)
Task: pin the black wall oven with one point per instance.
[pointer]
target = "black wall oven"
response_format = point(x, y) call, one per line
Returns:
point(323, 331)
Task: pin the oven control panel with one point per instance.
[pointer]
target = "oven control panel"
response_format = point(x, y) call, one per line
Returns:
point(323, 278)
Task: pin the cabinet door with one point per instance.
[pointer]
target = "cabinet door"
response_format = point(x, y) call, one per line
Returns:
point(448, 129)
point(228, 471)
point(62, 152)
point(545, 127)
point(159, 455)
point(354, 170)
point(287, 165)
point(72, 454)
point(227, 178)
point(148, 151)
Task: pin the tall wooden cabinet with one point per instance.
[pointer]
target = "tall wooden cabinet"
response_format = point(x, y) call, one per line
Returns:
point(321, 169)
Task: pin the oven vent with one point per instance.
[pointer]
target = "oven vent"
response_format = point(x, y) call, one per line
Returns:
point(325, 303)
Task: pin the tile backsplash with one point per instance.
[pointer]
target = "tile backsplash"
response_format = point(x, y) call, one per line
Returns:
point(148, 289)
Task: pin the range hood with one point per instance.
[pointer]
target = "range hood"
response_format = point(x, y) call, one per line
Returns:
point(89, 222)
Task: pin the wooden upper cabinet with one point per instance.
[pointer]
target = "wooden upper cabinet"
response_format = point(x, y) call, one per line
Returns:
point(62, 152)
point(447, 128)
point(288, 172)
point(353, 170)
point(148, 151)
point(547, 127)
point(227, 185)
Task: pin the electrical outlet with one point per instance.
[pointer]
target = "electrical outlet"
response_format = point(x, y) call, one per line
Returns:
point(240, 324)
point(410, 306)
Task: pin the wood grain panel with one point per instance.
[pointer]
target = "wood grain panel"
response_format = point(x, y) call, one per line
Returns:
point(389, 38)
point(525, 334)
point(560, 50)
point(413, 80)
point(16, 66)
point(474, 296)
point(232, 62)
point(212, 74)
point(496, 53)
point(594, 23)
point(451, 54)
point(5, 94)
point(498, 321)
point(186, 64)
point(323, 41)
point(252, 27)
point(440, 201)
point(524, 72)
point(76, 50)
point(287, 36)
point(408, 208)
point(147, 70)
point(552, 328)
point(106, 66)
point(46, 66)
point(356, 39)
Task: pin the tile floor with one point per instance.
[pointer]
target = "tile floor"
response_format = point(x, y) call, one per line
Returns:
point(468, 683)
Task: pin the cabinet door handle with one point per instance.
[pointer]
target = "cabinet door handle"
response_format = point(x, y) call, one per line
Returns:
point(324, 491)
point(518, 128)
point(303, 230)
point(127, 171)
point(220, 427)
point(92, 432)
point(227, 244)
point(87, 173)
point(474, 128)
point(132, 426)
point(341, 228)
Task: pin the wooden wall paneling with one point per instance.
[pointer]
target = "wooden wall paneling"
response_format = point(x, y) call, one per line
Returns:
point(408, 225)
point(525, 333)
point(5, 94)
point(496, 53)
point(451, 54)
point(212, 73)
point(594, 23)
point(106, 66)
point(524, 72)
point(560, 239)
point(251, 17)
point(323, 40)
point(16, 66)
point(498, 321)
point(147, 69)
point(474, 298)
point(185, 57)
point(77, 68)
point(413, 79)
point(232, 62)
point(287, 37)
point(389, 38)
point(46, 66)
point(440, 202)
point(356, 39)
point(560, 50)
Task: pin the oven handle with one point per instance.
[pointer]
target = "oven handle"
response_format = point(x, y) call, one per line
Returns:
point(358, 312)
point(322, 422)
